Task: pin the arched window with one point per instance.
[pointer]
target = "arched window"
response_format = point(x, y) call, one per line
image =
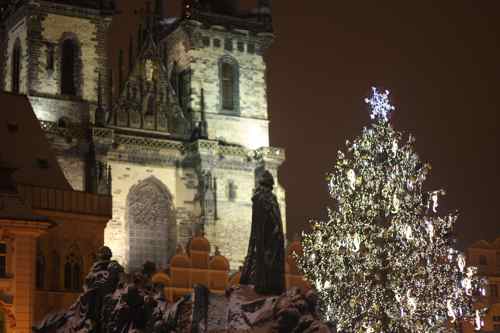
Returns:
point(73, 272)
point(55, 271)
point(40, 271)
point(69, 55)
point(151, 224)
point(16, 67)
point(184, 89)
point(67, 276)
point(229, 84)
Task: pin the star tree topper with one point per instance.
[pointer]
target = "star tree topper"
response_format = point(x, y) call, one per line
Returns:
point(380, 105)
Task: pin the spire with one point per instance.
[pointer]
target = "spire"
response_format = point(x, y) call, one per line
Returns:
point(100, 116)
point(91, 170)
point(203, 122)
point(130, 53)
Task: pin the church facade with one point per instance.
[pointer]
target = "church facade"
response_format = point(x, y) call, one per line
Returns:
point(178, 135)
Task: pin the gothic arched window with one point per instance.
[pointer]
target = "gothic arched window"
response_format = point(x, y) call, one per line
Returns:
point(40, 271)
point(69, 55)
point(73, 272)
point(229, 84)
point(184, 89)
point(55, 271)
point(151, 224)
point(16, 67)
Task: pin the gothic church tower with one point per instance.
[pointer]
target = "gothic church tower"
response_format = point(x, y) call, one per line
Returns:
point(184, 137)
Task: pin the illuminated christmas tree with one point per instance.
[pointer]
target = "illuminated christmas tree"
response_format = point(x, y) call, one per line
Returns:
point(384, 260)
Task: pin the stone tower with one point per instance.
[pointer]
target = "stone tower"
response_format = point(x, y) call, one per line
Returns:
point(54, 52)
point(180, 143)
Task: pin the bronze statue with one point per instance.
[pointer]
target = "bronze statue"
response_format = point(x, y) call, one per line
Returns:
point(265, 261)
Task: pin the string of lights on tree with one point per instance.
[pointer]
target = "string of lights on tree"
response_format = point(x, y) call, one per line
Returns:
point(384, 260)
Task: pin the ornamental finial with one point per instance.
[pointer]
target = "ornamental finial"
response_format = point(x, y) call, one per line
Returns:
point(380, 104)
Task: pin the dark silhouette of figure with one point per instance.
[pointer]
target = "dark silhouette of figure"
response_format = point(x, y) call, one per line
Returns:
point(265, 261)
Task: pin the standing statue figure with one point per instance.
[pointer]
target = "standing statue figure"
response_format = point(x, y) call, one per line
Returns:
point(265, 261)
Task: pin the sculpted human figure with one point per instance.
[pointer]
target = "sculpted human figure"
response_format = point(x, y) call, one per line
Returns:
point(265, 261)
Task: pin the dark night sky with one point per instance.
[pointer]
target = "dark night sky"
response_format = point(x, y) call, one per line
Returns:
point(440, 59)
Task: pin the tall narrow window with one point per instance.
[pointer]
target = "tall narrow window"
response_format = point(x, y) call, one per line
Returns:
point(68, 68)
point(231, 190)
point(184, 88)
point(67, 276)
point(16, 67)
point(40, 271)
point(50, 57)
point(3, 260)
point(73, 272)
point(55, 271)
point(229, 84)
point(77, 276)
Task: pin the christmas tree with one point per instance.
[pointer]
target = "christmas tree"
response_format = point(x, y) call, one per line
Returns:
point(384, 260)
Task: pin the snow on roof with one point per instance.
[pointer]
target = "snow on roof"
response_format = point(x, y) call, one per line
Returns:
point(24, 147)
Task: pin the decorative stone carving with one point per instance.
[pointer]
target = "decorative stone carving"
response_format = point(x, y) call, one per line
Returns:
point(151, 224)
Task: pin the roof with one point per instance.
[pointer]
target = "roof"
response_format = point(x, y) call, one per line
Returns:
point(24, 147)
point(485, 245)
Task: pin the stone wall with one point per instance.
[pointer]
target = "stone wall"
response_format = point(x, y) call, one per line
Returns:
point(125, 176)
point(176, 173)
point(231, 231)
point(201, 51)
point(56, 28)
point(56, 108)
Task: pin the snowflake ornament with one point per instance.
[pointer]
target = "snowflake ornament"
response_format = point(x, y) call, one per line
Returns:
point(380, 105)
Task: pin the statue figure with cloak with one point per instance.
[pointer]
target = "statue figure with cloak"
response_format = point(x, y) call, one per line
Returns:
point(265, 261)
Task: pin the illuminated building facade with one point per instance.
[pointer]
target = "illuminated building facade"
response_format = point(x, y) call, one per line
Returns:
point(49, 233)
point(175, 127)
point(486, 256)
